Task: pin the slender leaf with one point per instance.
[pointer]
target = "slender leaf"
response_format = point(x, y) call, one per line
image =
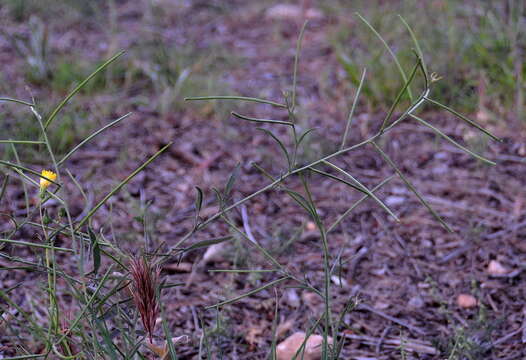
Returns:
point(231, 180)
point(79, 87)
point(121, 184)
point(16, 101)
point(358, 202)
point(415, 41)
point(28, 142)
point(95, 250)
point(268, 121)
point(304, 135)
point(242, 98)
point(400, 69)
point(280, 143)
point(412, 187)
point(351, 113)
point(72, 151)
point(207, 243)
point(471, 122)
point(250, 293)
point(439, 132)
point(399, 96)
point(296, 61)
point(380, 202)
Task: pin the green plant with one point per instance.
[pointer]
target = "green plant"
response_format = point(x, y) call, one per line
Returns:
point(105, 322)
point(93, 292)
point(330, 323)
point(476, 48)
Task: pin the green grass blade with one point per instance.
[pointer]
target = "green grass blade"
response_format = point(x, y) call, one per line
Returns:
point(3, 188)
point(296, 61)
point(400, 69)
point(89, 303)
point(79, 87)
point(323, 173)
point(250, 293)
point(415, 41)
point(465, 149)
point(274, 343)
point(30, 244)
point(20, 167)
point(242, 271)
point(351, 113)
point(207, 243)
point(399, 96)
point(29, 142)
point(168, 335)
point(471, 122)
point(364, 188)
point(16, 101)
point(412, 187)
point(242, 98)
point(21, 357)
point(304, 135)
point(121, 184)
point(68, 155)
point(24, 186)
point(358, 202)
point(280, 143)
point(261, 120)
point(301, 350)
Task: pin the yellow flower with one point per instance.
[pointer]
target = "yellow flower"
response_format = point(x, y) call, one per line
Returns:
point(48, 174)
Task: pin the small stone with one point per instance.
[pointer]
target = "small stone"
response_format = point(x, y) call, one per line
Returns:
point(214, 253)
point(310, 226)
point(415, 302)
point(313, 346)
point(495, 268)
point(466, 301)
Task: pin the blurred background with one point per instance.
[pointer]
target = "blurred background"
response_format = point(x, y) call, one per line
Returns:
point(180, 48)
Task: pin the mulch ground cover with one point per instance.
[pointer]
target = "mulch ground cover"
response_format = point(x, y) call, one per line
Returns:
point(406, 276)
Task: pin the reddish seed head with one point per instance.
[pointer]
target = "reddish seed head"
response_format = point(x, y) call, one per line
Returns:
point(145, 279)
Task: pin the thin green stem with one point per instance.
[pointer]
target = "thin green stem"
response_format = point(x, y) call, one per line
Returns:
point(121, 184)
point(72, 151)
point(351, 113)
point(16, 101)
point(296, 61)
point(59, 107)
point(441, 133)
point(242, 98)
point(36, 245)
point(27, 142)
point(395, 58)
